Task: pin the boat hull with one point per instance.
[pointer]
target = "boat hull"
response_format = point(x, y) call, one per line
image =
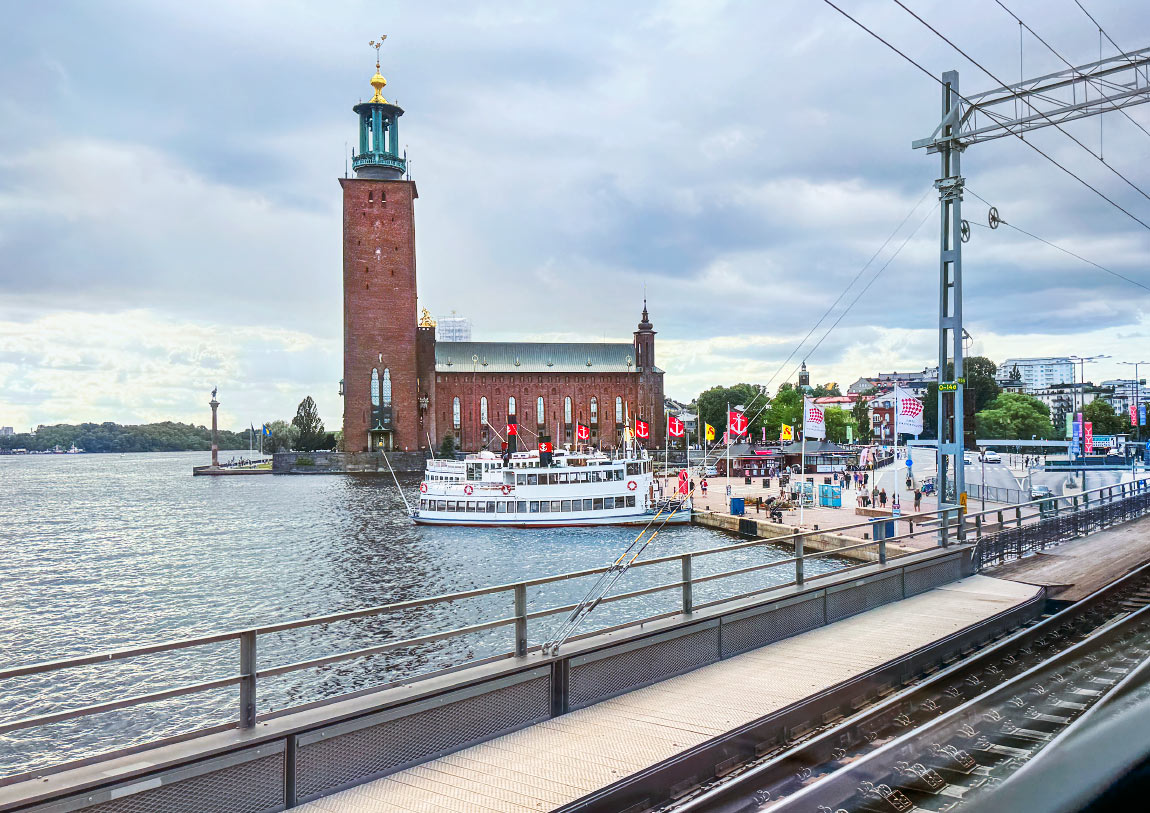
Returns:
point(678, 518)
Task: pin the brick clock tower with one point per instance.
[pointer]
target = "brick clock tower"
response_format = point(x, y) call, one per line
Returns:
point(381, 387)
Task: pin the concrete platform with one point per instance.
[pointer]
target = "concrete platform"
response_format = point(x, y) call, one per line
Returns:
point(1074, 570)
point(562, 759)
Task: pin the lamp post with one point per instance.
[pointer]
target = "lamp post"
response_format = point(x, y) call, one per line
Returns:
point(1082, 378)
point(1137, 395)
point(214, 404)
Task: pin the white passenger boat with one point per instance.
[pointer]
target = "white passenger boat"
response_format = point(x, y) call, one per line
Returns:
point(534, 490)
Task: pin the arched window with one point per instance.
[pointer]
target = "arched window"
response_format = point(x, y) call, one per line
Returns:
point(483, 411)
point(374, 387)
point(510, 406)
point(455, 412)
point(618, 409)
point(594, 410)
point(567, 409)
point(386, 387)
point(539, 417)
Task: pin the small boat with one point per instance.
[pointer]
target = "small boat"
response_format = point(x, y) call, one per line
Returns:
point(544, 489)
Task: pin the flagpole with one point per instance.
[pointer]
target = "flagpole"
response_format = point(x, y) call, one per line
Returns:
point(730, 485)
point(687, 443)
point(803, 466)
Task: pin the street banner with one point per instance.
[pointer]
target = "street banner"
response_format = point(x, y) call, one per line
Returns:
point(786, 432)
point(683, 483)
point(674, 427)
point(850, 434)
point(710, 431)
point(1133, 415)
point(582, 432)
point(907, 412)
point(1141, 414)
point(1069, 426)
point(814, 421)
point(737, 423)
point(1088, 435)
point(642, 429)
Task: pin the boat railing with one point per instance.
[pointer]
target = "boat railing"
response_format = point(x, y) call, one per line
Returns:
point(1117, 503)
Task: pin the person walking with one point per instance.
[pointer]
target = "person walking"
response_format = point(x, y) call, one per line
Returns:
point(882, 498)
point(703, 485)
point(917, 499)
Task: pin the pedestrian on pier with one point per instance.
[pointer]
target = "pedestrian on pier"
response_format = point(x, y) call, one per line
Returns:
point(882, 498)
point(917, 498)
point(703, 485)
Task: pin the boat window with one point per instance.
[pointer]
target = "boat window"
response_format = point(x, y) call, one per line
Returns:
point(556, 506)
point(532, 479)
point(576, 505)
point(630, 501)
point(521, 506)
point(521, 479)
point(490, 507)
point(534, 507)
point(567, 505)
point(480, 507)
point(633, 469)
point(598, 504)
point(586, 505)
point(544, 507)
point(584, 477)
point(501, 507)
point(474, 471)
point(563, 477)
point(440, 505)
point(608, 503)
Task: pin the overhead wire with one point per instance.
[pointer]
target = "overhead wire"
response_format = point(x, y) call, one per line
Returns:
point(1015, 93)
point(1060, 248)
point(1017, 135)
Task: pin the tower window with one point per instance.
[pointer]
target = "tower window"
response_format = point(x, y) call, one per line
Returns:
point(594, 410)
point(455, 412)
point(539, 410)
point(386, 387)
point(370, 199)
point(483, 410)
point(618, 409)
point(375, 387)
point(567, 409)
point(383, 197)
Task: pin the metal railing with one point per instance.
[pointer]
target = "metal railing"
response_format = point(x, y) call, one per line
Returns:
point(982, 491)
point(989, 547)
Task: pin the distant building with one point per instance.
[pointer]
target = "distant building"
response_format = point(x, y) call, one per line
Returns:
point(453, 329)
point(1063, 399)
point(5, 431)
point(804, 379)
point(1123, 393)
point(1038, 373)
point(915, 382)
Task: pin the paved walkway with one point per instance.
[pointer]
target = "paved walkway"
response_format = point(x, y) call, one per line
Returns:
point(563, 759)
point(1075, 569)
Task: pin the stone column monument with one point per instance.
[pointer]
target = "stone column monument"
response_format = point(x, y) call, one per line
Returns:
point(214, 404)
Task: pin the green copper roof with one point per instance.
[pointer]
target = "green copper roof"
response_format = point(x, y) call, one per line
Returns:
point(531, 357)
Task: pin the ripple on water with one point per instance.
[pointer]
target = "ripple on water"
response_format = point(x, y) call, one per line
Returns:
point(102, 551)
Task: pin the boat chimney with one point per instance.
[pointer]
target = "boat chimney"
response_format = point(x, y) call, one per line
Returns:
point(512, 434)
point(545, 450)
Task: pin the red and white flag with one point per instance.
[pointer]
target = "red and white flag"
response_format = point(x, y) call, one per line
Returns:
point(907, 412)
point(642, 429)
point(674, 427)
point(814, 421)
point(737, 423)
point(582, 432)
point(512, 429)
point(1133, 415)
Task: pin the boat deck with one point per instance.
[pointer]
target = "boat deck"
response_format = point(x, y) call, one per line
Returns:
point(563, 759)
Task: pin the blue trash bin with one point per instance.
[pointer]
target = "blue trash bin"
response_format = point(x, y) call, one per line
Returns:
point(738, 506)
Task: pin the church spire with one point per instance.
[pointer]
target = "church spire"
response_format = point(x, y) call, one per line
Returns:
point(378, 156)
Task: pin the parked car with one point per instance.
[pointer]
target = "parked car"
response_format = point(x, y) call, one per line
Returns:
point(967, 460)
point(1040, 492)
point(993, 457)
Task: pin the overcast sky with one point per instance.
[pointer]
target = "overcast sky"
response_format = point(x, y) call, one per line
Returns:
point(170, 212)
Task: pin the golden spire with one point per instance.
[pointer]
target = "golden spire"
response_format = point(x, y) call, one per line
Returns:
point(425, 319)
point(377, 81)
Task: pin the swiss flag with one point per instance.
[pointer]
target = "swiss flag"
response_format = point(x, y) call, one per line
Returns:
point(582, 432)
point(674, 427)
point(737, 422)
point(642, 429)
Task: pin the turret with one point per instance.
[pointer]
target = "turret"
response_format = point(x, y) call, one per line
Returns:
point(378, 156)
point(645, 342)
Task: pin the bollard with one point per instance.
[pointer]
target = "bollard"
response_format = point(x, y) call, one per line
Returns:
point(248, 679)
point(521, 620)
point(798, 559)
point(960, 516)
point(688, 594)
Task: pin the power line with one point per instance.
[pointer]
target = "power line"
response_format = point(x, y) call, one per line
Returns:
point(1095, 82)
point(1060, 248)
point(1093, 189)
point(1057, 126)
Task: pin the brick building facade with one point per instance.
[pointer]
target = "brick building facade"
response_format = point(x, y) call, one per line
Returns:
point(403, 390)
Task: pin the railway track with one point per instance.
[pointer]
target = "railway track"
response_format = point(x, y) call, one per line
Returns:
point(959, 733)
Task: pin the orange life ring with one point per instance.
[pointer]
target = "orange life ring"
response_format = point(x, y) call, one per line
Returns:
point(423, 488)
point(468, 490)
point(632, 485)
point(506, 490)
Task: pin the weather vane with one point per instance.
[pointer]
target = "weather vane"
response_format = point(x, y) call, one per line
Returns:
point(377, 46)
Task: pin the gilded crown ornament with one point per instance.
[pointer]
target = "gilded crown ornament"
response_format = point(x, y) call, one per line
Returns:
point(377, 81)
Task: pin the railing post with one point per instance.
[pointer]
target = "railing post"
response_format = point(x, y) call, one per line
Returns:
point(799, 558)
point(1018, 517)
point(520, 620)
point(688, 593)
point(978, 527)
point(960, 515)
point(882, 551)
point(248, 679)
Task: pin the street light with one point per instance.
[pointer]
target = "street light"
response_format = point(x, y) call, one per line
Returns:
point(1137, 394)
point(1082, 377)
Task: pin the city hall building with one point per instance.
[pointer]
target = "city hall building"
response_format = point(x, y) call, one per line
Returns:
point(405, 391)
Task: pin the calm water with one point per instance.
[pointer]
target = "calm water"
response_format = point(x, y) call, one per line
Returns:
point(102, 551)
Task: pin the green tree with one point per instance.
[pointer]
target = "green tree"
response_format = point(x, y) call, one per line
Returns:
point(787, 407)
point(447, 448)
point(861, 413)
point(282, 437)
point(831, 388)
point(1104, 420)
point(1014, 415)
point(837, 421)
point(1015, 374)
point(712, 406)
point(980, 389)
point(310, 432)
